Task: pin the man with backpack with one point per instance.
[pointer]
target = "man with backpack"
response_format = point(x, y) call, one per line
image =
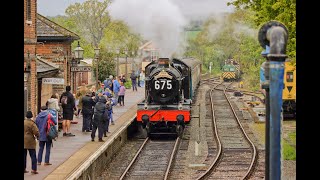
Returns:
point(133, 78)
point(100, 118)
point(67, 101)
point(44, 140)
point(108, 82)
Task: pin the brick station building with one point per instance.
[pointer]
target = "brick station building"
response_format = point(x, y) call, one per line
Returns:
point(47, 54)
point(30, 41)
point(54, 54)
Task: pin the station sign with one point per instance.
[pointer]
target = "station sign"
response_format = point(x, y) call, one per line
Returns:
point(52, 81)
point(81, 69)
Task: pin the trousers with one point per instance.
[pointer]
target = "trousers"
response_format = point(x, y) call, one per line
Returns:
point(32, 153)
point(48, 144)
point(100, 127)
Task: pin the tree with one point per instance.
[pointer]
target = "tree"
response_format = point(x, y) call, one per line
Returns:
point(91, 18)
point(119, 36)
point(116, 36)
point(233, 36)
point(106, 64)
point(280, 10)
point(91, 21)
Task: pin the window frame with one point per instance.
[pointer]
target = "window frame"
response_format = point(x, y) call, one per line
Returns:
point(289, 76)
point(28, 12)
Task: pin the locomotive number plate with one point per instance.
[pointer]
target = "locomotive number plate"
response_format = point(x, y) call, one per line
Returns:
point(162, 84)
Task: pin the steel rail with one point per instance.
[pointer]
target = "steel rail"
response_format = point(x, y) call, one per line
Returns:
point(254, 156)
point(134, 158)
point(215, 130)
point(219, 154)
point(173, 154)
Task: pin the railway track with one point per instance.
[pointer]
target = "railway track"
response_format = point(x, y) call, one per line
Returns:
point(228, 155)
point(148, 163)
point(237, 154)
point(251, 93)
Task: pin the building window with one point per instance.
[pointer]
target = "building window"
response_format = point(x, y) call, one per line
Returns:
point(289, 77)
point(28, 10)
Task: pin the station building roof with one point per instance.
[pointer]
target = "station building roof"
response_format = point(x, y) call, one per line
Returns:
point(49, 30)
point(45, 67)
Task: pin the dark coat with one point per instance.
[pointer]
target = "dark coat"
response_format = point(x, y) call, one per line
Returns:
point(87, 104)
point(70, 103)
point(100, 111)
point(68, 109)
point(133, 77)
point(30, 132)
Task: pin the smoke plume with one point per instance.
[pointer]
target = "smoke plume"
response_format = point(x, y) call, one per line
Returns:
point(160, 21)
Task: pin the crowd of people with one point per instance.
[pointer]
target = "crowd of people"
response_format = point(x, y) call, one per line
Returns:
point(95, 106)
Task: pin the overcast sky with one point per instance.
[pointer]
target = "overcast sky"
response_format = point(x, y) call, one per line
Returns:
point(189, 7)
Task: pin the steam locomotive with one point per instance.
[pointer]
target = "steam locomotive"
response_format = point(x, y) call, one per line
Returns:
point(169, 89)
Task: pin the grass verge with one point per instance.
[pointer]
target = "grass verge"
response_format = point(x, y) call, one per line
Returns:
point(288, 151)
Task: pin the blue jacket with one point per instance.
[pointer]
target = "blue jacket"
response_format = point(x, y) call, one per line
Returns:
point(41, 122)
point(107, 83)
point(109, 106)
point(116, 86)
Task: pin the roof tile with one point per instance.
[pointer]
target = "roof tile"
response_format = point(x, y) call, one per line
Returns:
point(48, 28)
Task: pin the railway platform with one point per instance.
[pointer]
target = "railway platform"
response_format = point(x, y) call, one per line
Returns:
point(69, 153)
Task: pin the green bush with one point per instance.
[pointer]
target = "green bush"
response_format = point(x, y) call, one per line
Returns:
point(128, 84)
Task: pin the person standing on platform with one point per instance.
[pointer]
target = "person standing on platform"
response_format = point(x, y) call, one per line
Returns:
point(99, 118)
point(87, 111)
point(79, 103)
point(93, 90)
point(109, 113)
point(41, 122)
point(121, 94)
point(67, 101)
point(133, 78)
point(110, 83)
point(142, 77)
point(93, 96)
point(107, 82)
point(53, 107)
point(110, 103)
point(138, 76)
point(123, 79)
point(83, 90)
point(101, 89)
point(31, 133)
point(116, 88)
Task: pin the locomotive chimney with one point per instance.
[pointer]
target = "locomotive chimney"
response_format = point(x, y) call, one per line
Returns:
point(164, 62)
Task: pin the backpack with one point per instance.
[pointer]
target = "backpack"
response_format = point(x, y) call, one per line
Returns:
point(109, 83)
point(52, 132)
point(64, 100)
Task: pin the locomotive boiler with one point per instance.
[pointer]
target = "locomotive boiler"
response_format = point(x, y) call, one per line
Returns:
point(169, 89)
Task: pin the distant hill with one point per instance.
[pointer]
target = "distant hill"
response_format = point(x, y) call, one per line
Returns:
point(191, 31)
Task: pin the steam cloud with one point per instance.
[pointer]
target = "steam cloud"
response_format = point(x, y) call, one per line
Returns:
point(160, 21)
point(221, 22)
